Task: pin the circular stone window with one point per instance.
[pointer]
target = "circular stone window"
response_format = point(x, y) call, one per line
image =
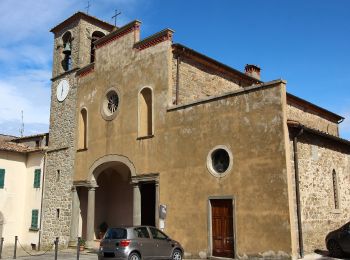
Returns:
point(110, 104)
point(219, 161)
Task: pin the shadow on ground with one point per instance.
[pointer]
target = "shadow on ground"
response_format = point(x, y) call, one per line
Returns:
point(326, 255)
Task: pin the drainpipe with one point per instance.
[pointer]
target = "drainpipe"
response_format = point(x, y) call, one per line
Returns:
point(297, 191)
point(41, 203)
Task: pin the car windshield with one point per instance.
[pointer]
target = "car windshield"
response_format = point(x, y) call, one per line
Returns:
point(115, 233)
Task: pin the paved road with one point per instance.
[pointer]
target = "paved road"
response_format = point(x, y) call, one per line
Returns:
point(69, 254)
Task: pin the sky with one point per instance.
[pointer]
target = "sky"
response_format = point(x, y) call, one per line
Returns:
point(306, 43)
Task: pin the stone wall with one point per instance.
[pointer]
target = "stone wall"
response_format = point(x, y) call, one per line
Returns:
point(317, 159)
point(59, 167)
point(197, 81)
point(312, 120)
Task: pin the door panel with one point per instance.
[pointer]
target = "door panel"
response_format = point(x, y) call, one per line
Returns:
point(222, 227)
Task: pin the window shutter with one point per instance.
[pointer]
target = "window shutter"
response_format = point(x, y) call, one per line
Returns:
point(37, 177)
point(2, 178)
point(35, 214)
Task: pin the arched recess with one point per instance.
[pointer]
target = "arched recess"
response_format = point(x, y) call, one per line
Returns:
point(67, 51)
point(95, 36)
point(1, 224)
point(113, 200)
point(83, 129)
point(145, 112)
point(106, 161)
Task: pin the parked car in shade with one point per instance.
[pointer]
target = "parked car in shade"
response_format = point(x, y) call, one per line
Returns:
point(139, 242)
point(338, 241)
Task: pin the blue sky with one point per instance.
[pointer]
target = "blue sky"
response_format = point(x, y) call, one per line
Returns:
point(306, 43)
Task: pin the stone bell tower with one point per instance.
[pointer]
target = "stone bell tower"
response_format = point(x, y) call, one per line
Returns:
point(73, 49)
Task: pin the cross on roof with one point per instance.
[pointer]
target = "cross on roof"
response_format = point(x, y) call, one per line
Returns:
point(115, 17)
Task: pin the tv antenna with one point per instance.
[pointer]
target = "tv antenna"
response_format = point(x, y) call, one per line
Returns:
point(21, 130)
point(88, 7)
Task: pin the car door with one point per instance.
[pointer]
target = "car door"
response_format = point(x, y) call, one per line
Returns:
point(144, 242)
point(161, 243)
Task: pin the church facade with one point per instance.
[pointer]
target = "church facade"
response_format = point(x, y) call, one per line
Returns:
point(147, 132)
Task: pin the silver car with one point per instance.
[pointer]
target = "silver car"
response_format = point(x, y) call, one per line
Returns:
point(136, 243)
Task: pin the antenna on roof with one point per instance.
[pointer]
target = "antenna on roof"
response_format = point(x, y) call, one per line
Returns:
point(116, 13)
point(87, 7)
point(21, 130)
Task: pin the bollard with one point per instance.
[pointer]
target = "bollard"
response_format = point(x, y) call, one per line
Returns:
point(1, 244)
point(78, 248)
point(15, 250)
point(56, 247)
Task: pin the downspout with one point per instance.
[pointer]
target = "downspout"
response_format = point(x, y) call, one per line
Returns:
point(41, 203)
point(297, 191)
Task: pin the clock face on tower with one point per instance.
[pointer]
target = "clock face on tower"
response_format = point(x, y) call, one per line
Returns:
point(62, 90)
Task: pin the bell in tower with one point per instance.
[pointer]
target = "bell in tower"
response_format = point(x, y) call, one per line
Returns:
point(67, 48)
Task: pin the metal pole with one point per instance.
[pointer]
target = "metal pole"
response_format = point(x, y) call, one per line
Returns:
point(78, 248)
point(15, 249)
point(1, 244)
point(56, 247)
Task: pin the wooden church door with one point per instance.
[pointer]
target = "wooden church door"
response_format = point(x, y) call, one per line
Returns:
point(222, 227)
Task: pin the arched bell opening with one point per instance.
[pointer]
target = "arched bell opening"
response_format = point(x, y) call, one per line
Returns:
point(67, 51)
point(95, 36)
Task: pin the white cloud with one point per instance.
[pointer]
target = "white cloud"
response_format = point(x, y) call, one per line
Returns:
point(26, 55)
point(28, 92)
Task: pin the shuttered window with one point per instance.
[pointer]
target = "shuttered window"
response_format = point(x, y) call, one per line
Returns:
point(37, 176)
point(35, 214)
point(2, 178)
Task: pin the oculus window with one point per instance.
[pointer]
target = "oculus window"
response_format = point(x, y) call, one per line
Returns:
point(110, 104)
point(219, 161)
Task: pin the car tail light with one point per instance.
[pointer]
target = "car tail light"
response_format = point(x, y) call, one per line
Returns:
point(124, 243)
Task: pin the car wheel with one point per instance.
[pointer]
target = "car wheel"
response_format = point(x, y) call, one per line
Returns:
point(334, 248)
point(134, 256)
point(177, 255)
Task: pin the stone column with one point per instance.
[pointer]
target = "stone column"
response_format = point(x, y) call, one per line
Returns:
point(90, 223)
point(137, 205)
point(75, 218)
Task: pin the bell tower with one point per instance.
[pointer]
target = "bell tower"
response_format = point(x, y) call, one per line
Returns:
point(73, 49)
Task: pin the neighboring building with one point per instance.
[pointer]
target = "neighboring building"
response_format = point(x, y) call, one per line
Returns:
point(21, 178)
point(144, 131)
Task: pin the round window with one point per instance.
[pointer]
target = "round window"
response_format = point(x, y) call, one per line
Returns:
point(110, 104)
point(219, 161)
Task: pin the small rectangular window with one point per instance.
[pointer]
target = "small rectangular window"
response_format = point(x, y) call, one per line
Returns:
point(35, 214)
point(335, 189)
point(37, 177)
point(2, 178)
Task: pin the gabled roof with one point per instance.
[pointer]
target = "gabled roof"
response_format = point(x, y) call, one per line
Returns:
point(17, 147)
point(81, 15)
point(336, 139)
point(216, 65)
point(28, 137)
point(308, 106)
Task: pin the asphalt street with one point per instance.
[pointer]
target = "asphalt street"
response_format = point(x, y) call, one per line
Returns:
point(71, 254)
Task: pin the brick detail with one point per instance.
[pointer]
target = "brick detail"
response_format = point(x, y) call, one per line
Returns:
point(118, 34)
point(87, 70)
point(162, 36)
